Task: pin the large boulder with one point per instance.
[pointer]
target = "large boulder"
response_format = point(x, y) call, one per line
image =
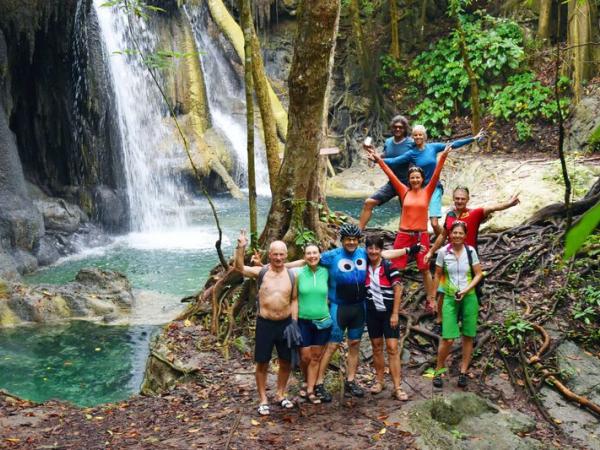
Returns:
point(463, 420)
point(59, 215)
point(581, 373)
point(583, 128)
point(95, 294)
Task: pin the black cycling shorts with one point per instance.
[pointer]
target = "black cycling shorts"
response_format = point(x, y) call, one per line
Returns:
point(378, 325)
point(269, 334)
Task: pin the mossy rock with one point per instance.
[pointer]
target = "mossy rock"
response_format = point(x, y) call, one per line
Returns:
point(594, 140)
point(467, 421)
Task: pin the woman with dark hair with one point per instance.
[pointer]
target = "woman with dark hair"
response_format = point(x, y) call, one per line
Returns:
point(384, 294)
point(413, 222)
point(310, 289)
point(398, 144)
point(462, 272)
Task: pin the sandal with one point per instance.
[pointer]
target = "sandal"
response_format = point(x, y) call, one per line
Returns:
point(313, 399)
point(286, 403)
point(399, 394)
point(263, 409)
point(377, 388)
point(322, 393)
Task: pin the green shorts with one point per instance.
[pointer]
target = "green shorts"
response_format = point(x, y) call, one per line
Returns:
point(468, 309)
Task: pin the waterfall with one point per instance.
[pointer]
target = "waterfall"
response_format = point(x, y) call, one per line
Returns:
point(227, 102)
point(150, 147)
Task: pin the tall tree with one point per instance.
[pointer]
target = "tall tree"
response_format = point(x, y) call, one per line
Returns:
point(544, 19)
point(456, 10)
point(582, 30)
point(248, 28)
point(294, 205)
point(394, 36)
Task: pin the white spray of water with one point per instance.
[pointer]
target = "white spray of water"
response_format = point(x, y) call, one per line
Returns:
point(149, 147)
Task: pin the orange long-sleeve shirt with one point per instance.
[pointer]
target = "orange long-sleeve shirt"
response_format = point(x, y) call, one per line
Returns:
point(415, 203)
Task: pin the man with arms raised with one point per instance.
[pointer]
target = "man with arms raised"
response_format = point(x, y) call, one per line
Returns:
point(273, 316)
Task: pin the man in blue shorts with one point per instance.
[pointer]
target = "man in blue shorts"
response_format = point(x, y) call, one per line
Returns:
point(347, 266)
point(396, 145)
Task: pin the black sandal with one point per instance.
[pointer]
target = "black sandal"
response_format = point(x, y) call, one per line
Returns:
point(322, 393)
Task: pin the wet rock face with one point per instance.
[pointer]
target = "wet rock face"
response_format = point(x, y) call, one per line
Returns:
point(95, 294)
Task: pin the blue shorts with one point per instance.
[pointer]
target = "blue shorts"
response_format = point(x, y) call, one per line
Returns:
point(435, 204)
point(385, 193)
point(347, 317)
point(311, 335)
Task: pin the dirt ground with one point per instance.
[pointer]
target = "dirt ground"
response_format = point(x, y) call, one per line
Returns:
point(218, 410)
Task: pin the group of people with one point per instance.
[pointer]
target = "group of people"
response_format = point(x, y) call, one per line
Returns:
point(328, 295)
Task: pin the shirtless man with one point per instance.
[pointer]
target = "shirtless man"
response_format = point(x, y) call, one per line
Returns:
point(273, 316)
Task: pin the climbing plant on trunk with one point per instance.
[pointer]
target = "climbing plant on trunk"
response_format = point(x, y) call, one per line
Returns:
point(294, 207)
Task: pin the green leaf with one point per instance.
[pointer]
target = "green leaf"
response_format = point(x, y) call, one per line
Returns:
point(578, 233)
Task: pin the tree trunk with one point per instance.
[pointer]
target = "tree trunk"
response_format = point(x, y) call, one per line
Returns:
point(582, 15)
point(247, 28)
point(544, 19)
point(370, 87)
point(395, 38)
point(473, 82)
point(292, 207)
point(269, 124)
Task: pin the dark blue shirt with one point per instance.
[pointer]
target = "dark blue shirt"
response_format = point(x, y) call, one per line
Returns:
point(394, 150)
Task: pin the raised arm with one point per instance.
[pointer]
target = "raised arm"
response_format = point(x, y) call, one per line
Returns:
point(402, 159)
point(513, 201)
point(438, 170)
point(240, 251)
point(398, 252)
point(401, 189)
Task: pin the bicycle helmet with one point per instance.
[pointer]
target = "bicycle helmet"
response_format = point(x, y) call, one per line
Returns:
point(350, 230)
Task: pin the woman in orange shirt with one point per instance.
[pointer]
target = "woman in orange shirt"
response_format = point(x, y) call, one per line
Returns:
point(413, 222)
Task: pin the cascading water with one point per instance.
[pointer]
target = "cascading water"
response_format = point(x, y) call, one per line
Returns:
point(149, 146)
point(226, 101)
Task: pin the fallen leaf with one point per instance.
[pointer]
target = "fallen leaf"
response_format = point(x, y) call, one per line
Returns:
point(255, 422)
point(383, 431)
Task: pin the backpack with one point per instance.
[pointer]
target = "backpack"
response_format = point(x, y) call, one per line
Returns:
point(479, 287)
point(387, 268)
point(260, 277)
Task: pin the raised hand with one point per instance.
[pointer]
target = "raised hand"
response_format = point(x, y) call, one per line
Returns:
point(256, 258)
point(479, 135)
point(514, 200)
point(447, 149)
point(242, 240)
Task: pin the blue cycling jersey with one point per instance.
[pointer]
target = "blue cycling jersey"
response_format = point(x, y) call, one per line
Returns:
point(347, 275)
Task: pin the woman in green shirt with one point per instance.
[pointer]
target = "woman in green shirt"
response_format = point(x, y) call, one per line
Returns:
point(310, 289)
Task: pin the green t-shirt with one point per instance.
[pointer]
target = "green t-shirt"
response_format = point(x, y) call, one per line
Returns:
point(312, 293)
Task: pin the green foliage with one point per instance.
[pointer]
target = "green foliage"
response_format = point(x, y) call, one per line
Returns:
point(508, 90)
point(514, 330)
point(391, 71)
point(594, 140)
point(304, 236)
point(580, 232)
point(524, 99)
point(580, 175)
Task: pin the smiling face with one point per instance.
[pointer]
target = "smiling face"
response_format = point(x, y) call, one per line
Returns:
point(457, 235)
point(415, 179)
point(350, 243)
point(312, 255)
point(461, 198)
point(277, 254)
point(374, 253)
point(419, 137)
point(398, 130)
